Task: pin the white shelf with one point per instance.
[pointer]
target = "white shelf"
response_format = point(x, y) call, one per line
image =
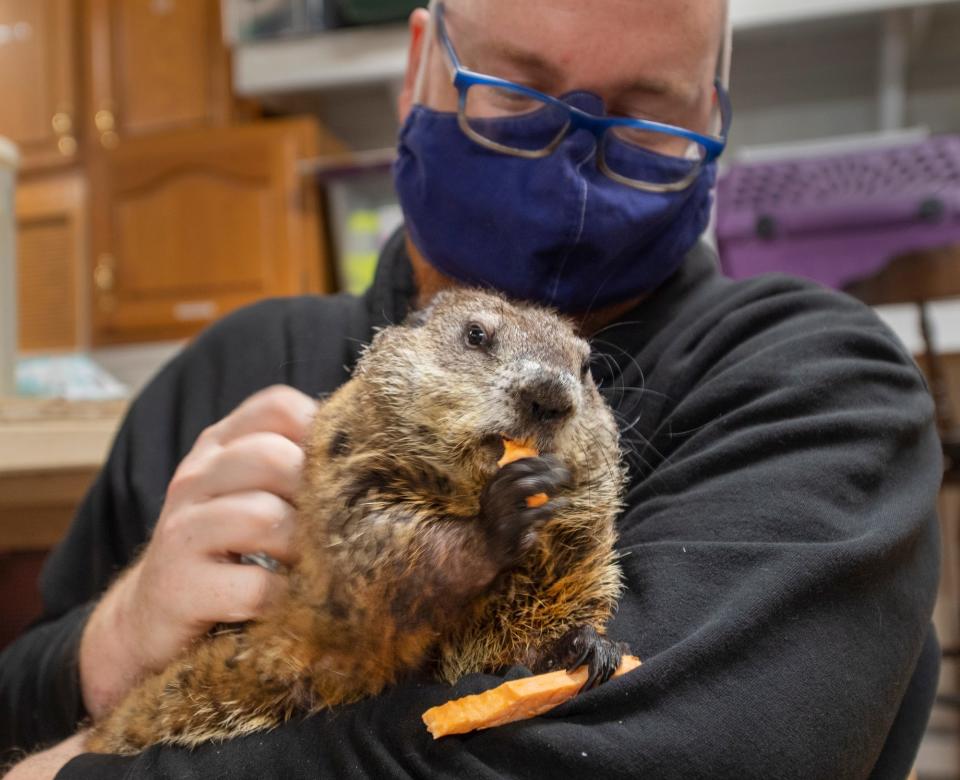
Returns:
point(945, 317)
point(331, 59)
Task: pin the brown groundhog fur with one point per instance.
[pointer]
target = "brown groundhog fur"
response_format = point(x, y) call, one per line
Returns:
point(416, 550)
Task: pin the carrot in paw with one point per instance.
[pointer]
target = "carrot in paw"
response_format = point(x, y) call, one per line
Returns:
point(516, 450)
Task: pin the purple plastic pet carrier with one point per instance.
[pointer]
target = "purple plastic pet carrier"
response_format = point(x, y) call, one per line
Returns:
point(839, 218)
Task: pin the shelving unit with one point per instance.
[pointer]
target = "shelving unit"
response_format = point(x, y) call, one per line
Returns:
point(338, 58)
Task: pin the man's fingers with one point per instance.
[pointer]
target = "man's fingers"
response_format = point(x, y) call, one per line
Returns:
point(244, 523)
point(259, 461)
point(279, 409)
point(235, 592)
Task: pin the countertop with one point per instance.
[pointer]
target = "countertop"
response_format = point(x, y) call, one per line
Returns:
point(50, 451)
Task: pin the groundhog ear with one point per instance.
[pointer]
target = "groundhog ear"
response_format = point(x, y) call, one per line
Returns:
point(417, 319)
point(421, 316)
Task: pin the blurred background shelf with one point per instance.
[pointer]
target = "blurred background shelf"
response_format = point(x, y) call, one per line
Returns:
point(335, 58)
point(747, 14)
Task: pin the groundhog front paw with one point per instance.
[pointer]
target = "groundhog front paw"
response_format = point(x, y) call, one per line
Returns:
point(583, 645)
point(510, 525)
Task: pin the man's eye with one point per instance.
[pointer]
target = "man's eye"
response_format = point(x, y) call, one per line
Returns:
point(508, 96)
point(487, 99)
point(477, 336)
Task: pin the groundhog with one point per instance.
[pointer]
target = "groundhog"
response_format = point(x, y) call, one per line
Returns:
point(417, 551)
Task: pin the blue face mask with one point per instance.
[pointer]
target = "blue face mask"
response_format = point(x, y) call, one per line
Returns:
point(554, 230)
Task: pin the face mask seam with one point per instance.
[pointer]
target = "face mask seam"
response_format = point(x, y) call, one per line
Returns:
point(583, 219)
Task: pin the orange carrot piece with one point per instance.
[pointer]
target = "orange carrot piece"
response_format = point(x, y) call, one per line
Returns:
point(511, 701)
point(537, 499)
point(516, 450)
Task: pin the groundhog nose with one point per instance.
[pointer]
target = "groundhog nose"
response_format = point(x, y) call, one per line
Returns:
point(546, 400)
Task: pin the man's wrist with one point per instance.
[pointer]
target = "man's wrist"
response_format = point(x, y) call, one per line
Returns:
point(109, 659)
point(48, 763)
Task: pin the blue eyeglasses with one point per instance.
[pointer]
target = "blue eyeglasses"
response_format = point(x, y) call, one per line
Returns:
point(513, 119)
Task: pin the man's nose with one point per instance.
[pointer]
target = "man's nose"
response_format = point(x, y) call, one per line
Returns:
point(546, 400)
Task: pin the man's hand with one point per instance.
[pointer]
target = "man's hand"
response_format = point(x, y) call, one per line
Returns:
point(46, 764)
point(231, 495)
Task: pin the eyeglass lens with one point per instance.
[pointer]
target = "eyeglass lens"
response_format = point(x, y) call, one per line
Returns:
point(511, 119)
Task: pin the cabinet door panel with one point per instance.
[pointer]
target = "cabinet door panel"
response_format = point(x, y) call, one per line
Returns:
point(37, 72)
point(165, 54)
point(191, 224)
point(51, 220)
point(24, 54)
point(237, 216)
point(154, 65)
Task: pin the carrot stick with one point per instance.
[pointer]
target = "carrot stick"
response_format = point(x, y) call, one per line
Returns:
point(513, 700)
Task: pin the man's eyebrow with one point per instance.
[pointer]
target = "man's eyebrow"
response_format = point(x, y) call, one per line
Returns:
point(657, 87)
point(649, 84)
point(530, 61)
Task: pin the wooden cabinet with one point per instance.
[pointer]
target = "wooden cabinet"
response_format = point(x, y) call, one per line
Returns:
point(51, 246)
point(189, 216)
point(38, 80)
point(154, 65)
point(192, 224)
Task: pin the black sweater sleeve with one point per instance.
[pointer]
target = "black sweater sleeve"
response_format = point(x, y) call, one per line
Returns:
point(40, 699)
point(780, 551)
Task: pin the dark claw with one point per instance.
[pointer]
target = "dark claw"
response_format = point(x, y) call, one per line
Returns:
point(583, 645)
point(591, 678)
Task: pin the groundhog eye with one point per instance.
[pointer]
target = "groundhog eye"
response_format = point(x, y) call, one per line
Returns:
point(477, 336)
point(585, 369)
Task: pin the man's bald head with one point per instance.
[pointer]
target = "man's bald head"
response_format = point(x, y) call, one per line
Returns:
point(646, 58)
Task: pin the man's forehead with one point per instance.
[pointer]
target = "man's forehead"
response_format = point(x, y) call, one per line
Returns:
point(656, 44)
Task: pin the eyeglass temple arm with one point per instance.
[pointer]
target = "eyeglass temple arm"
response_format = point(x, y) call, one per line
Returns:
point(441, 26)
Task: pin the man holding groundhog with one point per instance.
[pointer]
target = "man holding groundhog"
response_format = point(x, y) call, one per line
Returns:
point(779, 540)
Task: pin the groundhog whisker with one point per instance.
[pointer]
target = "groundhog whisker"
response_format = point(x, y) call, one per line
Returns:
point(578, 326)
point(607, 458)
point(617, 385)
point(624, 352)
point(600, 288)
point(645, 391)
point(627, 441)
point(636, 460)
point(586, 459)
point(631, 426)
point(609, 363)
point(625, 324)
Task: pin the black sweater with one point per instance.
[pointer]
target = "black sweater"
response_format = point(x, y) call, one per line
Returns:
point(780, 547)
